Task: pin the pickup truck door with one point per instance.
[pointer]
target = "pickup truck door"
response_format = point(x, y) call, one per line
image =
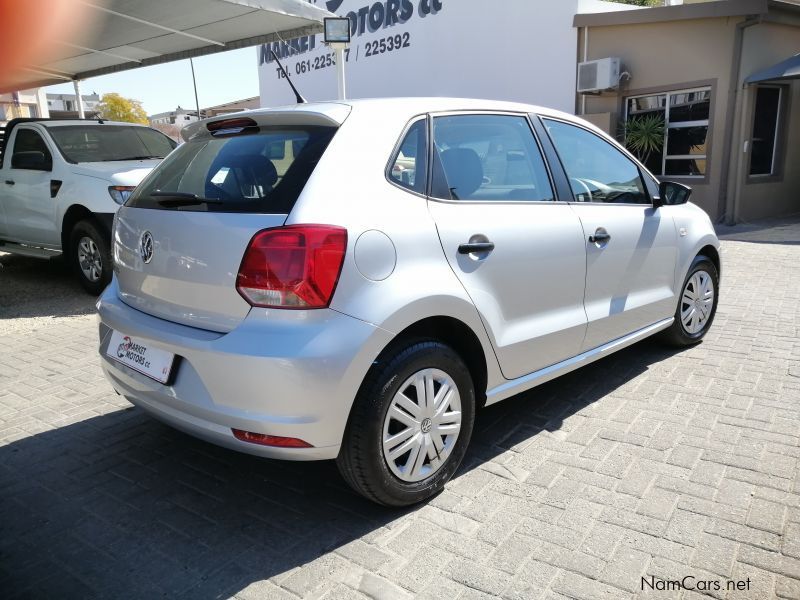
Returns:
point(30, 212)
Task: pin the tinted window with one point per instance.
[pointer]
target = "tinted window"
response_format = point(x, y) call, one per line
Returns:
point(261, 170)
point(597, 171)
point(410, 164)
point(99, 143)
point(28, 140)
point(488, 157)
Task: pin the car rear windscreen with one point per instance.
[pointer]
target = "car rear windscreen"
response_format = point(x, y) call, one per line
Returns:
point(258, 170)
point(105, 143)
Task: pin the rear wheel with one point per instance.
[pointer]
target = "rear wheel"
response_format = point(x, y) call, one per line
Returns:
point(90, 256)
point(410, 425)
point(697, 304)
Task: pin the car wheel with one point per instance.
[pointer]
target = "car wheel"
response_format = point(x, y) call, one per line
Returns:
point(697, 304)
point(410, 424)
point(90, 257)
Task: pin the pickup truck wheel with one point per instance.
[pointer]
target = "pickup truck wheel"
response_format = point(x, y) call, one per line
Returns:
point(90, 257)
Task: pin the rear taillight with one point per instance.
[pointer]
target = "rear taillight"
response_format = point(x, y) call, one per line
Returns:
point(269, 440)
point(296, 266)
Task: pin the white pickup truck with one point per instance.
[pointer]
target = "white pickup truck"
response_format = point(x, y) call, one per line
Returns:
point(61, 183)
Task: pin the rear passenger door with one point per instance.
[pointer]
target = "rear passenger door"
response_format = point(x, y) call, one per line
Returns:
point(630, 245)
point(519, 253)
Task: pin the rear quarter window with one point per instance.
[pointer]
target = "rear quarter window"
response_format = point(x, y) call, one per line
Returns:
point(260, 170)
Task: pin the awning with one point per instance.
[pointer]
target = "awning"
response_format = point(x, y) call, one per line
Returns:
point(786, 69)
point(137, 33)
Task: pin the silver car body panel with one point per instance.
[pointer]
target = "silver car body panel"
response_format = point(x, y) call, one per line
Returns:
point(630, 281)
point(530, 327)
point(295, 373)
point(286, 373)
point(191, 277)
point(521, 384)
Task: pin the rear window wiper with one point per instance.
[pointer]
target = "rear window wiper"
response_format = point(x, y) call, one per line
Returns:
point(143, 157)
point(182, 199)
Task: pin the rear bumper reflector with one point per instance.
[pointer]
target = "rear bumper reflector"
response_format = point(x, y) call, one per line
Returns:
point(269, 440)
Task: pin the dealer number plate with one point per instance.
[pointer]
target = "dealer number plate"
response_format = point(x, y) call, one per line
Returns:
point(141, 356)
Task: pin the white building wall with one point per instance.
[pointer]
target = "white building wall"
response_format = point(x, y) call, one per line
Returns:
point(520, 50)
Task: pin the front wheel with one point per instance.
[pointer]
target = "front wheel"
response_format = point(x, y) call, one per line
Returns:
point(410, 425)
point(697, 304)
point(90, 257)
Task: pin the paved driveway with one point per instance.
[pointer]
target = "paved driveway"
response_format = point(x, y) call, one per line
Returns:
point(650, 464)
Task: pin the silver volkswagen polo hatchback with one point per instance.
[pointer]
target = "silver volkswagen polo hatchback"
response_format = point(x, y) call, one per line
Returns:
point(352, 280)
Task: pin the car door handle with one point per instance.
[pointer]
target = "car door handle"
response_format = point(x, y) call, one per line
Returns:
point(476, 247)
point(600, 236)
point(9, 182)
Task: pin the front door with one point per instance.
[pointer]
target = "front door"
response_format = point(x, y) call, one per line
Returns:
point(631, 246)
point(518, 252)
point(30, 212)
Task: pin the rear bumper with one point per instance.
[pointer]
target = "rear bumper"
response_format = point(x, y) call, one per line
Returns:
point(283, 373)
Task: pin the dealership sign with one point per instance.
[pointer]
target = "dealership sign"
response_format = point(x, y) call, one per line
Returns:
point(522, 50)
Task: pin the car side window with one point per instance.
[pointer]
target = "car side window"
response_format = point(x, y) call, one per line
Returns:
point(29, 141)
point(409, 165)
point(597, 171)
point(488, 158)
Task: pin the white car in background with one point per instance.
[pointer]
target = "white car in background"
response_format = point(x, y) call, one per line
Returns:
point(61, 183)
point(334, 309)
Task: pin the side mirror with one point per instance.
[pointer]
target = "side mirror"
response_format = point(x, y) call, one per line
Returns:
point(671, 193)
point(32, 160)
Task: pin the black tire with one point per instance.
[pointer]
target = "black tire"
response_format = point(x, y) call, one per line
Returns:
point(361, 459)
point(90, 230)
point(677, 335)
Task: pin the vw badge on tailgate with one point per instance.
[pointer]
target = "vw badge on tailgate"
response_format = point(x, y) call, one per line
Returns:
point(146, 246)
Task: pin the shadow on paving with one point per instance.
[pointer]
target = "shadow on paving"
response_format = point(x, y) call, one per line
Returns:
point(32, 287)
point(785, 231)
point(122, 506)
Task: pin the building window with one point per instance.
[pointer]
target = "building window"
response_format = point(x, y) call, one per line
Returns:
point(684, 114)
point(766, 119)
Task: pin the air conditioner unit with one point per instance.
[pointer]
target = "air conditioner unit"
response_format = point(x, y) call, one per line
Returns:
point(598, 75)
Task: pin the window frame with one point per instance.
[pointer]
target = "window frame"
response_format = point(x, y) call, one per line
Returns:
point(699, 87)
point(641, 169)
point(484, 113)
point(778, 149)
point(23, 127)
point(396, 151)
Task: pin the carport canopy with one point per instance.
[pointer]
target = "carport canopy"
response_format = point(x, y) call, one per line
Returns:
point(786, 69)
point(128, 34)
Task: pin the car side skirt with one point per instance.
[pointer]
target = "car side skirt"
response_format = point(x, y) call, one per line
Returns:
point(521, 384)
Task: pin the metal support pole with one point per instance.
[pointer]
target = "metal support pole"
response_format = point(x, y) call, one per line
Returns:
point(194, 82)
point(340, 71)
point(78, 98)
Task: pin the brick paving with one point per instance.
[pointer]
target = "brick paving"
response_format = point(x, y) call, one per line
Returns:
point(651, 463)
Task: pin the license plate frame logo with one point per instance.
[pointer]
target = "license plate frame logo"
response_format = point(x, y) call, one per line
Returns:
point(134, 353)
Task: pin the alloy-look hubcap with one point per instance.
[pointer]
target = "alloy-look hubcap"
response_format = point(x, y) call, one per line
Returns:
point(696, 302)
point(89, 259)
point(422, 425)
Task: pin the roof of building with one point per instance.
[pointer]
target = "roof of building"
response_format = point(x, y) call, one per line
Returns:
point(700, 10)
point(786, 69)
point(233, 103)
point(137, 33)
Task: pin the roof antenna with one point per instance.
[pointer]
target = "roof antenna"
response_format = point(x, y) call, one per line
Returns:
point(298, 97)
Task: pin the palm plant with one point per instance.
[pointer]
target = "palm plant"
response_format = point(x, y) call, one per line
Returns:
point(644, 135)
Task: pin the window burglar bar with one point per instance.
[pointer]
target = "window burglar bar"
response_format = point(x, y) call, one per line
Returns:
point(686, 115)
